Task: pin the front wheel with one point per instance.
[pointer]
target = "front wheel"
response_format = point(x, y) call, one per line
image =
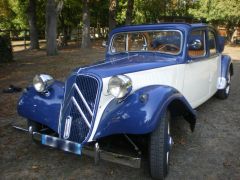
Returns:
point(224, 93)
point(159, 148)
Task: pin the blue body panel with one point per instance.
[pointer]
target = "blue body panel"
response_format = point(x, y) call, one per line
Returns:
point(136, 115)
point(41, 108)
point(225, 65)
point(130, 63)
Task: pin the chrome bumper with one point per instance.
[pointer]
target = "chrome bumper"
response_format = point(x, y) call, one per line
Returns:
point(58, 143)
point(78, 149)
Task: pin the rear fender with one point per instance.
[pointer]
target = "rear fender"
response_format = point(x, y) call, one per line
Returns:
point(141, 112)
point(40, 107)
point(226, 66)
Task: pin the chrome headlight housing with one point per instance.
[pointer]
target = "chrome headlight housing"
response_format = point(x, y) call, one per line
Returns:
point(120, 86)
point(42, 82)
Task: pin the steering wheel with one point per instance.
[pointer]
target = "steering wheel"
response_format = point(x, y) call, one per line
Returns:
point(168, 47)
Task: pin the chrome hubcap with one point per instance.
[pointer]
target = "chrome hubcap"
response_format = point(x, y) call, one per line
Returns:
point(228, 84)
point(170, 143)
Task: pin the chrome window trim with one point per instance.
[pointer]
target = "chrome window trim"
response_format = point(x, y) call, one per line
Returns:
point(174, 30)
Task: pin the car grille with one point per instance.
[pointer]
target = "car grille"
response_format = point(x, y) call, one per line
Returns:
point(79, 108)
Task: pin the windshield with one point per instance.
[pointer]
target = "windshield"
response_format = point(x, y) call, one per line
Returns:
point(163, 41)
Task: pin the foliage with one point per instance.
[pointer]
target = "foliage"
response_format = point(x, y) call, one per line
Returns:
point(217, 11)
point(5, 49)
point(19, 7)
point(6, 14)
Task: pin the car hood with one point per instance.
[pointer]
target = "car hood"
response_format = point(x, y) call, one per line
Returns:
point(116, 65)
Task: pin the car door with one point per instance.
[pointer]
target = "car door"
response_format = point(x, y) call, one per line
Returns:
point(214, 62)
point(196, 73)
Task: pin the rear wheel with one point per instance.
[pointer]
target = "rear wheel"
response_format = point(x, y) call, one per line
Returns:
point(159, 148)
point(224, 93)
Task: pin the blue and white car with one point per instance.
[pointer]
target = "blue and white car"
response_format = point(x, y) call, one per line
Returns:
point(150, 74)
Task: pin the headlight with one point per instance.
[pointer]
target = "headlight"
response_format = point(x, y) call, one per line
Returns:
point(42, 82)
point(120, 86)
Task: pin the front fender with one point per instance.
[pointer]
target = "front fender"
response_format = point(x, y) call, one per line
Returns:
point(42, 108)
point(141, 112)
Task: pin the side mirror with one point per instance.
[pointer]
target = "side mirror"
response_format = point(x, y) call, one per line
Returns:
point(104, 44)
point(196, 45)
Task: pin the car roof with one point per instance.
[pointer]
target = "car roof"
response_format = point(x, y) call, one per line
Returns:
point(144, 27)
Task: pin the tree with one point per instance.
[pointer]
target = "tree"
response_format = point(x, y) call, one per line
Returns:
point(86, 25)
point(218, 12)
point(52, 10)
point(113, 4)
point(31, 12)
point(129, 12)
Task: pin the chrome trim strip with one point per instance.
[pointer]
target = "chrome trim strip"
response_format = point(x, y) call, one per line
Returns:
point(83, 99)
point(80, 111)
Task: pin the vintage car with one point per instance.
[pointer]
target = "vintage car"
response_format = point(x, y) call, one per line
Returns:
point(151, 73)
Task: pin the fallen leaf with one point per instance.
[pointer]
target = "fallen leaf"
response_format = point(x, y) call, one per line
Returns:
point(35, 167)
point(182, 141)
point(226, 163)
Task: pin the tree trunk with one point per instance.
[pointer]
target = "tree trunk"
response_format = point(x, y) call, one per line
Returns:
point(51, 27)
point(32, 20)
point(129, 12)
point(86, 25)
point(112, 14)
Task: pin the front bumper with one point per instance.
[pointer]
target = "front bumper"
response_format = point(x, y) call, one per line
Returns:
point(59, 143)
point(76, 148)
point(95, 152)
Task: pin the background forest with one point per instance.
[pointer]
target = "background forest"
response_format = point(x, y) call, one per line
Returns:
point(47, 19)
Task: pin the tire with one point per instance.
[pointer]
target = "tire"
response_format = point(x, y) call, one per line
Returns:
point(159, 148)
point(224, 93)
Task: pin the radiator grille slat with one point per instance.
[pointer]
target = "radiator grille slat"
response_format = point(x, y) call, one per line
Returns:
point(79, 106)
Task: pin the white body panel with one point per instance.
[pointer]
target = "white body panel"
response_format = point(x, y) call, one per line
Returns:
point(195, 81)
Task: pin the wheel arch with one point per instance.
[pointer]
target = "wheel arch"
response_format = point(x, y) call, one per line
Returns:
point(226, 65)
point(140, 113)
point(178, 108)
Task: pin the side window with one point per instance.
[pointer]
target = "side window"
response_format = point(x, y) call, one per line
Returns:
point(212, 43)
point(196, 44)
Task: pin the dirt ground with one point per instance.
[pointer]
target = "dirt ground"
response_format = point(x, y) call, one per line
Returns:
point(211, 152)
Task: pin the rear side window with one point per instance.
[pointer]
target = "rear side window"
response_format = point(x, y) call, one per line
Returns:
point(212, 43)
point(196, 44)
